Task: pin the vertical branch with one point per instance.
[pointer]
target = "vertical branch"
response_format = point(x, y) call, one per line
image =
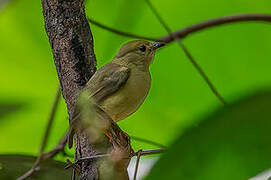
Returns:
point(45, 138)
point(137, 163)
point(72, 45)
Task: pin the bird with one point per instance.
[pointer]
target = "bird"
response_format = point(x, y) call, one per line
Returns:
point(119, 87)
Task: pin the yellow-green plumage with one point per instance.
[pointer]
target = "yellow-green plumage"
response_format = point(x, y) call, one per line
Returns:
point(121, 86)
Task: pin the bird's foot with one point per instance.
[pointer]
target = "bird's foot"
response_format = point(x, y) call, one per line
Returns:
point(108, 134)
point(122, 135)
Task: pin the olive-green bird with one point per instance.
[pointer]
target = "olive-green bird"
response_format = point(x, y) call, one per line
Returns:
point(121, 86)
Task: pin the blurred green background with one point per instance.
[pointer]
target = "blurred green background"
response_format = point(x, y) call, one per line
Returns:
point(236, 57)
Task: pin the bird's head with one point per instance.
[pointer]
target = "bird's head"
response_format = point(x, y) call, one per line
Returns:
point(138, 52)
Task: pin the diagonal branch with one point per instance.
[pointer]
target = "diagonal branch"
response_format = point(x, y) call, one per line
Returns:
point(41, 155)
point(137, 163)
point(188, 54)
point(184, 32)
point(122, 33)
point(44, 156)
point(50, 121)
point(148, 141)
point(59, 148)
point(98, 156)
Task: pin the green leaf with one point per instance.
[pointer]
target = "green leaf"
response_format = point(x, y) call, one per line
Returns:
point(233, 143)
point(14, 166)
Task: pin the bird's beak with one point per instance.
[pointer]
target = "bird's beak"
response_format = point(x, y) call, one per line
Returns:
point(157, 45)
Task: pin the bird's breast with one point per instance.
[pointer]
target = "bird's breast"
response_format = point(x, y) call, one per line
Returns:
point(129, 98)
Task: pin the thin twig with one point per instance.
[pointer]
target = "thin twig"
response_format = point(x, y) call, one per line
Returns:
point(44, 156)
point(147, 141)
point(202, 73)
point(59, 148)
point(122, 33)
point(187, 53)
point(150, 152)
point(50, 121)
point(137, 163)
point(184, 32)
point(74, 166)
point(53, 152)
point(80, 160)
point(142, 153)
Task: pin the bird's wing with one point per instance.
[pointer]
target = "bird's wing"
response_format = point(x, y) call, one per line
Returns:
point(106, 81)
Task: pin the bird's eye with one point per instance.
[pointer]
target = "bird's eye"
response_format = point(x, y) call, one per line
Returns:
point(142, 48)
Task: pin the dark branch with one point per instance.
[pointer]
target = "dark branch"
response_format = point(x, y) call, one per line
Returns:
point(137, 163)
point(72, 45)
point(45, 137)
point(147, 141)
point(184, 32)
point(59, 148)
point(216, 22)
point(188, 54)
point(150, 152)
point(44, 156)
point(50, 121)
point(142, 153)
point(80, 160)
point(122, 33)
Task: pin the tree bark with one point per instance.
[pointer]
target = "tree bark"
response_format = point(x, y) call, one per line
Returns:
point(72, 46)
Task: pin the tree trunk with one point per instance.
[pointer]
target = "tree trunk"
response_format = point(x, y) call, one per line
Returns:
point(72, 46)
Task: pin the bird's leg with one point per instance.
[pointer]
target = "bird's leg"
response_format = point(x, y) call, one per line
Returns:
point(127, 137)
point(121, 135)
point(108, 134)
